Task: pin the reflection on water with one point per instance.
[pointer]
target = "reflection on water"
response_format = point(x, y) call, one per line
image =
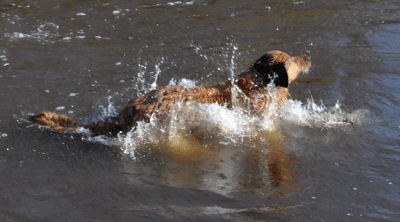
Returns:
point(256, 165)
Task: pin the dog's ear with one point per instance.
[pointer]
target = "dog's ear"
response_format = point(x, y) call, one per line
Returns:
point(271, 70)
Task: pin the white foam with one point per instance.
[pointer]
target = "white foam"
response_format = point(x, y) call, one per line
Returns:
point(188, 83)
point(196, 119)
point(229, 125)
point(46, 32)
point(180, 3)
point(318, 116)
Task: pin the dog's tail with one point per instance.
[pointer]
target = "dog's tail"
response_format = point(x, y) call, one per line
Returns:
point(63, 123)
point(55, 121)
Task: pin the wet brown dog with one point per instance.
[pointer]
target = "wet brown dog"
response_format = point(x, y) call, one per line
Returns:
point(275, 66)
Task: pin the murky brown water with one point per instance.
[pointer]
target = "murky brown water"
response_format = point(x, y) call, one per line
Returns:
point(89, 58)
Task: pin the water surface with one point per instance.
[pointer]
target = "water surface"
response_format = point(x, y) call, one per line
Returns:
point(87, 59)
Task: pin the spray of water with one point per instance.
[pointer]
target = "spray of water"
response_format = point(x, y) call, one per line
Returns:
point(318, 116)
point(192, 126)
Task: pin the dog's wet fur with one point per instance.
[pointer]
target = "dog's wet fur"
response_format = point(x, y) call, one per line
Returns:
point(274, 67)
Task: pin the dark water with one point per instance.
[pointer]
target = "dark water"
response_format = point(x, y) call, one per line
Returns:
point(89, 58)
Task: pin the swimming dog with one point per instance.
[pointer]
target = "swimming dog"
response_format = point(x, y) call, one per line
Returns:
point(274, 67)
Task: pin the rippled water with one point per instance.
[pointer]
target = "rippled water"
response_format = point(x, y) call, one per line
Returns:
point(87, 59)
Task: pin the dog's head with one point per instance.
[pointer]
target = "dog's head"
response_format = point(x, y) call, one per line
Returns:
point(280, 67)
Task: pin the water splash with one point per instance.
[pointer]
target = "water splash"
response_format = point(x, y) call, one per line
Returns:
point(140, 80)
point(46, 32)
point(180, 3)
point(103, 114)
point(142, 87)
point(193, 121)
point(195, 125)
point(318, 116)
point(188, 83)
point(108, 111)
point(153, 86)
point(205, 123)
